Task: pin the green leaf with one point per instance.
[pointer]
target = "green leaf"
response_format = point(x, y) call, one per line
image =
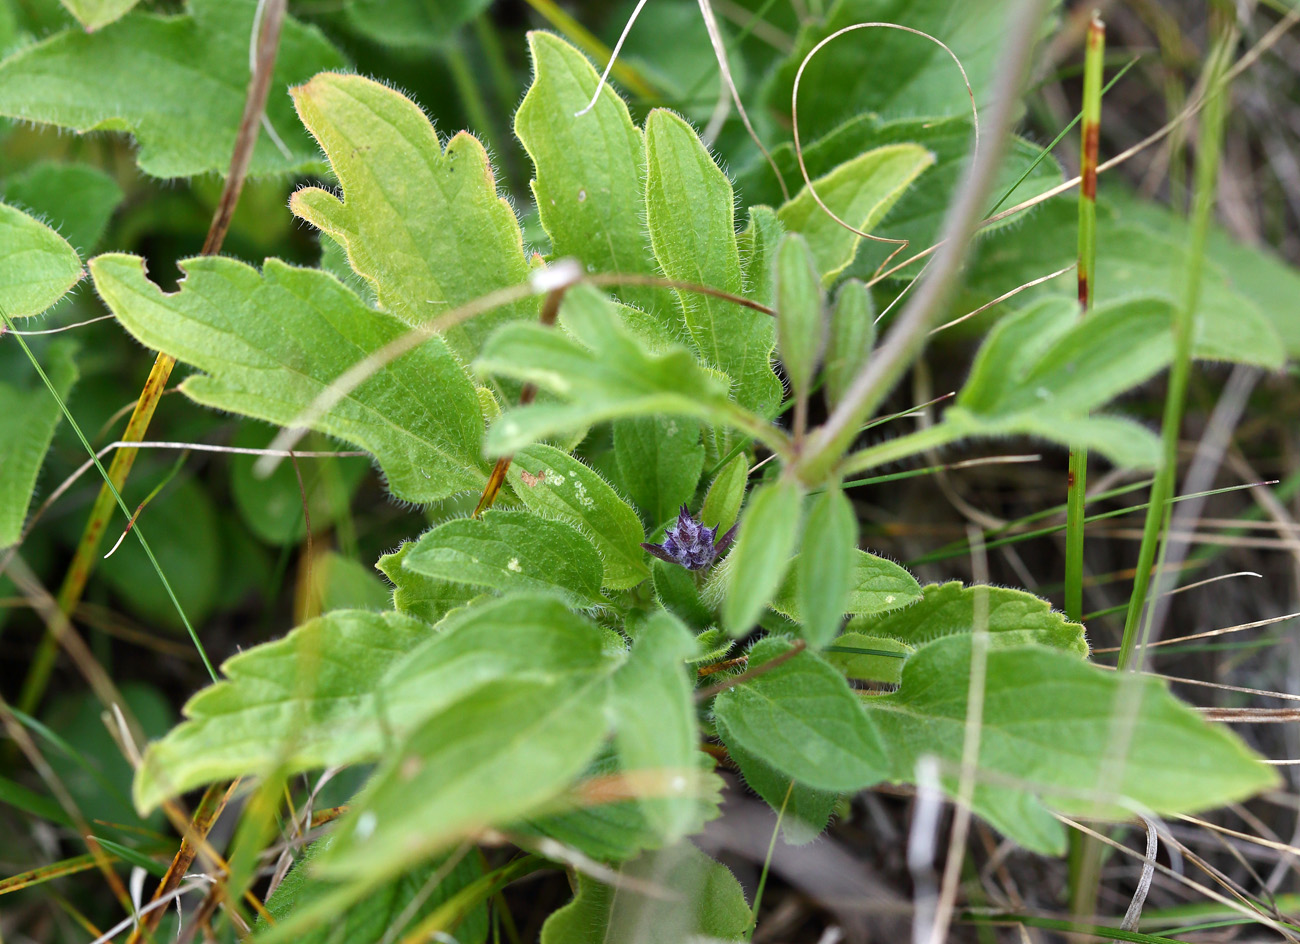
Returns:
point(37, 266)
point(183, 94)
point(590, 171)
point(800, 319)
point(28, 418)
point(599, 371)
point(76, 199)
point(271, 342)
point(852, 336)
point(725, 495)
point(411, 23)
point(878, 659)
point(918, 214)
point(802, 719)
point(556, 485)
point(1134, 262)
point(1041, 370)
point(93, 14)
point(184, 532)
point(425, 226)
point(758, 244)
point(492, 757)
point(339, 689)
point(690, 217)
point(426, 598)
point(876, 585)
point(827, 571)
point(660, 459)
point(909, 75)
point(272, 507)
point(860, 191)
point(654, 722)
point(409, 897)
point(761, 557)
point(511, 550)
point(345, 584)
point(679, 592)
point(806, 811)
point(1012, 617)
point(703, 901)
point(1079, 738)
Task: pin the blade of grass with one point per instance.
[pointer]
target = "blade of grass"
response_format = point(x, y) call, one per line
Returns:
point(1084, 857)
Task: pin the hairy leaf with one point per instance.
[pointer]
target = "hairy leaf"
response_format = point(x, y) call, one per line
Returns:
point(590, 171)
point(556, 485)
point(659, 463)
point(860, 191)
point(804, 811)
point(825, 572)
point(1081, 739)
point(704, 903)
point(800, 315)
point(869, 658)
point(492, 757)
point(340, 688)
point(1013, 617)
point(375, 916)
point(426, 598)
point(423, 225)
point(655, 730)
point(270, 342)
point(28, 418)
point(37, 266)
point(876, 585)
point(511, 550)
point(725, 495)
point(852, 336)
point(764, 547)
point(598, 371)
point(181, 96)
point(76, 199)
point(802, 719)
point(691, 222)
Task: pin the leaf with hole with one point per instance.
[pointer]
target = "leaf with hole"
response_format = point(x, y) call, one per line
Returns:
point(269, 343)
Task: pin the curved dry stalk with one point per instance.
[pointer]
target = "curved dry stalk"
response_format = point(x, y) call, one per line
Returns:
point(1001, 298)
point(613, 58)
point(798, 144)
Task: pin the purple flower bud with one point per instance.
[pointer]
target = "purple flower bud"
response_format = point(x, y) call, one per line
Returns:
point(690, 543)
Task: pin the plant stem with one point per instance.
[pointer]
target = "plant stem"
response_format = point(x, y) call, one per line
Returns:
point(1209, 145)
point(86, 554)
point(900, 447)
point(1087, 267)
point(1085, 854)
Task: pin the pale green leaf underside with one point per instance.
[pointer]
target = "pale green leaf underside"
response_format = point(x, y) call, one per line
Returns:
point(28, 418)
point(511, 550)
point(341, 688)
point(559, 486)
point(37, 266)
point(423, 225)
point(945, 609)
point(270, 342)
point(1085, 740)
point(860, 191)
point(690, 217)
point(182, 92)
point(93, 14)
point(878, 586)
